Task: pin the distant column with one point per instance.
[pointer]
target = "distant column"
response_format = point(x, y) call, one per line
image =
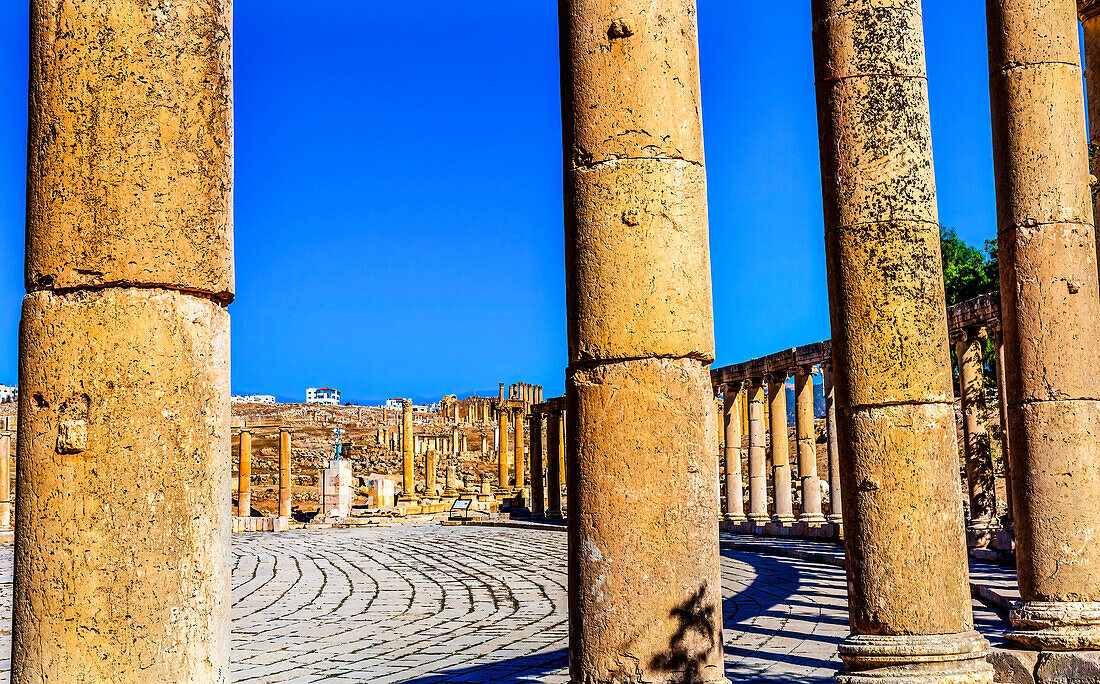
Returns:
point(836, 514)
point(979, 462)
point(1002, 402)
point(455, 442)
point(758, 465)
point(408, 472)
point(450, 483)
point(780, 447)
point(284, 473)
point(503, 452)
point(538, 495)
point(731, 418)
point(5, 482)
point(431, 464)
point(520, 455)
point(484, 444)
point(244, 475)
point(807, 445)
point(555, 453)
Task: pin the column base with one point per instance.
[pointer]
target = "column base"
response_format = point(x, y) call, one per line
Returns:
point(554, 517)
point(915, 659)
point(835, 518)
point(733, 518)
point(812, 518)
point(784, 519)
point(759, 520)
point(1056, 625)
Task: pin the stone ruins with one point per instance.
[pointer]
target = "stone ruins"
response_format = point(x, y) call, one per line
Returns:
point(124, 447)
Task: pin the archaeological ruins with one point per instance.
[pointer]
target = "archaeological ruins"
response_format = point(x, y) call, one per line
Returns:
point(134, 476)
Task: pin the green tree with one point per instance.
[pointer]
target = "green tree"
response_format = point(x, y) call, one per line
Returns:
point(967, 271)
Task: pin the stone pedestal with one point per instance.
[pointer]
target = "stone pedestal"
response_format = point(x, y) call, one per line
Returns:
point(336, 489)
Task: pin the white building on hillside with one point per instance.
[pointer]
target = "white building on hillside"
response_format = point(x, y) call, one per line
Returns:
point(8, 393)
point(252, 399)
point(323, 395)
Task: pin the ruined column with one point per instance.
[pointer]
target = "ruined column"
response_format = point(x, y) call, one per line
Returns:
point(644, 492)
point(450, 482)
point(1050, 313)
point(731, 416)
point(120, 573)
point(503, 452)
point(484, 444)
point(5, 482)
point(894, 405)
point(520, 455)
point(979, 462)
point(555, 451)
point(408, 465)
point(431, 464)
point(805, 436)
point(1002, 404)
point(284, 473)
point(832, 446)
point(780, 448)
point(758, 463)
point(244, 476)
point(538, 493)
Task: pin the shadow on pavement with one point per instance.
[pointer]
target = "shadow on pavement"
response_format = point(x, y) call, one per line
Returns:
point(521, 670)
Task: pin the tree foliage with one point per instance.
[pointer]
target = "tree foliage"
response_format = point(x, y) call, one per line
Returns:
point(967, 271)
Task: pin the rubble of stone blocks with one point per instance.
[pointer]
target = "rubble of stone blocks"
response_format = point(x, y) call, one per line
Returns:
point(269, 523)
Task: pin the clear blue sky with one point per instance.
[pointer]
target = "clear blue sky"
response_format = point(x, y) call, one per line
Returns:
point(398, 186)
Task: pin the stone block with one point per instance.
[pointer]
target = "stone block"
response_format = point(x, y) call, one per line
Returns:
point(282, 524)
point(1021, 666)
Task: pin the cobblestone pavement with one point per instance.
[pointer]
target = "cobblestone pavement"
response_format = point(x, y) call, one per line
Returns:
point(429, 605)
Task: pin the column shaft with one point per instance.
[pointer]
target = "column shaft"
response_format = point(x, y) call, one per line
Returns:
point(807, 445)
point(894, 398)
point(758, 460)
point(731, 416)
point(521, 458)
point(244, 475)
point(979, 462)
point(1050, 314)
point(538, 494)
point(408, 464)
point(833, 445)
point(1002, 403)
point(5, 481)
point(780, 449)
point(644, 489)
point(431, 464)
point(503, 452)
point(555, 451)
point(285, 474)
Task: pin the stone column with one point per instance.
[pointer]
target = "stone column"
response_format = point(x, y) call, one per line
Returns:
point(731, 417)
point(538, 493)
point(520, 456)
point(979, 462)
point(555, 450)
point(1002, 403)
point(832, 445)
point(463, 446)
point(1050, 312)
point(484, 444)
point(244, 476)
point(408, 465)
point(780, 448)
point(431, 464)
point(121, 573)
point(486, 486)
point(894, 405)
point(805, 436)
point(758, 461)
point(455, 443)
point(450, 483)
point(641, 425)
point(5, 482)
point(285, 491)
point(503, 452)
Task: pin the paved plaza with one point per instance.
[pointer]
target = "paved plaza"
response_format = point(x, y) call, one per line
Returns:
point(429, 604)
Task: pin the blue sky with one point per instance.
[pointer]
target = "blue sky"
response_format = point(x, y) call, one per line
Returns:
point(398, 186)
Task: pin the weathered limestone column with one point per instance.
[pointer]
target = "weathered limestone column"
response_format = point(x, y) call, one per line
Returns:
point(463, 446)
point(538, 493)
point(503, 452)
point(520, 457)
point(731, 416)
point(644, 492)
point(1050, 313)
point(285, 484)
point(455, 441)
point(979, 462)
point(1002, 403)
point(555, 450)
point(807, 445)
point(120, 573)
point(450, 482)
point(431, 464)
point(1089, 14)
point(780, 448)
point(5, 482)
point(903, 528)
point(244, 475)
point(408, 464)
point(758, 459)
point(832, 445)
point(484, 444)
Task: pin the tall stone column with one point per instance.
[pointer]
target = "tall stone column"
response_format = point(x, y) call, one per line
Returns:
point(5, 482)
point(455, 442)
point(1050, 313)
point(408, 464)
point(780, 448)
point(903, 528)
point(731, 417)
point(1002, 403)
point(120, 573)
point(503, 452)
point(431, 464)
point(832, 445)
point(641, 425)
point(538, 493)
point(520, 455)
point(244, 475)
point(450, 482)
point(484, 444)
point(758, 459)
point(555, 451)
point(285, 475)
point(805, 436)
point(979, 462)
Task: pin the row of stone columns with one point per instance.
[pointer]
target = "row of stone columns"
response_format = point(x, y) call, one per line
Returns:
point(546, 489)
